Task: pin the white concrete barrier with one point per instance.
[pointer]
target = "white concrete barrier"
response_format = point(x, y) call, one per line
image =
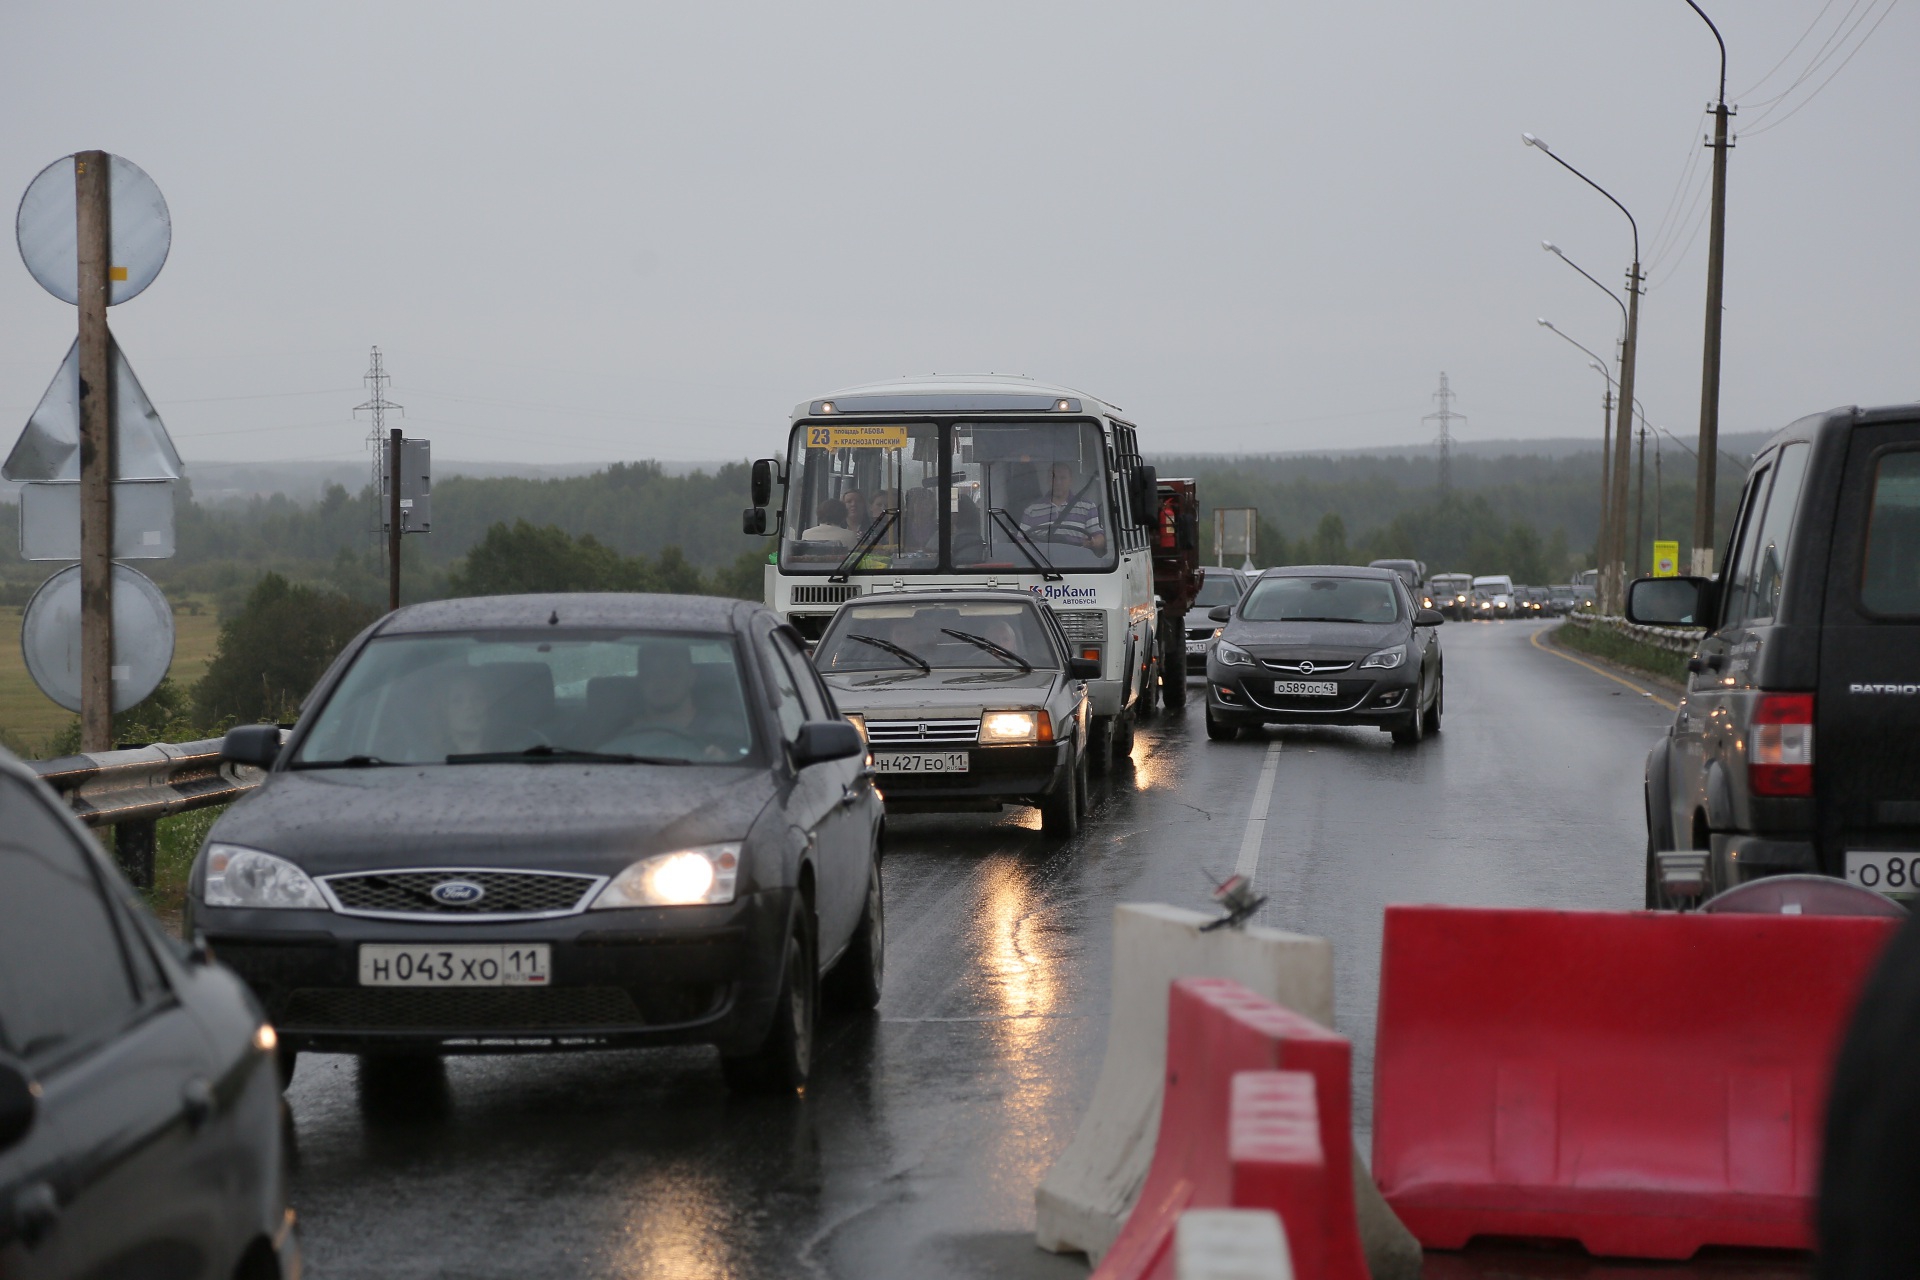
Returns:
point(1231, 1244)
point(1086, 1196)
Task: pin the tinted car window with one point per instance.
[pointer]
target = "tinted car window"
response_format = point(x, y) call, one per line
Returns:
point(1369, 600)
point(1739, 573)
point(812, 696)
point(64, 985)
point(966, 635)
point(1217, 589)
point(1890, 583)
point(428, 699)
point(1768, 576)
point(786, 694)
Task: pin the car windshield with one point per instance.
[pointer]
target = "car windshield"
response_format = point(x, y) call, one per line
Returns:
point(554, 694)
point(1023, 496)
point(1217, 589)
point(1366, 600)
point(996, 635)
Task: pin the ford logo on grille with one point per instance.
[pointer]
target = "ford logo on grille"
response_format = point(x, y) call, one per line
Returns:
point(457, 893)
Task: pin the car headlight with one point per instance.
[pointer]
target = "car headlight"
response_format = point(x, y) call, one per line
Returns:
point(1010, 728)
point(1386, 657)
point(1232, 654)
point(242, 877)
point(705, 874)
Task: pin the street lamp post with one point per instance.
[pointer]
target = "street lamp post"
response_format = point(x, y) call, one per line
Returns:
point(1606, 436)
point(1613, 569)
point(1707, 480)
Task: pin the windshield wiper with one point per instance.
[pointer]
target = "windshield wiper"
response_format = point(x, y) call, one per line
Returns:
point(544, 751)
point(892, 648)
point(1362, 622)
point(1026, 545)
point(348, 762)
point(865, 544)
point(997, 650)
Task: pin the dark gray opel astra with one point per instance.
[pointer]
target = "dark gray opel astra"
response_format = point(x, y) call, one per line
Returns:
point(1326, 644)
point(550, 822)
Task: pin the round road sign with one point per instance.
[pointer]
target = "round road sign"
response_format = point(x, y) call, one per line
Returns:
point(142, 637)
point(138, 241)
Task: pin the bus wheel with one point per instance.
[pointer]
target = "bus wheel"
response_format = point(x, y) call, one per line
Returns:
point(1100, 744)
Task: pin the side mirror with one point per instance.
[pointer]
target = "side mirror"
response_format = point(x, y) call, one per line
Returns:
point(1220, 613)
point(19, 1103)
point(254, 744)
point(822, 740)
point(1428, 618)
point(763, 475)
point(1669, 602)
point(1083, 669)
point(753, 521)
point(1146, 497)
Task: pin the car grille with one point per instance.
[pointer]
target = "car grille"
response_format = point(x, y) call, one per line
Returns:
point(530, 894)
point(1083, 626)
point(824, 595)
point(1300, 668)
point(888, 733)
point(458, 1009)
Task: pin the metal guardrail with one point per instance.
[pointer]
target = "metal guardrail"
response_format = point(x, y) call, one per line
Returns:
point(1683, 640)
point(131, 790)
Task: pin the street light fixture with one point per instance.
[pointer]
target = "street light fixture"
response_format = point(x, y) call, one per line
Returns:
point(1613, 561)
point(1606, 428)
point(1559, 253)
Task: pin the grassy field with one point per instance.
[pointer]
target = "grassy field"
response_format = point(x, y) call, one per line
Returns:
point(28, 718)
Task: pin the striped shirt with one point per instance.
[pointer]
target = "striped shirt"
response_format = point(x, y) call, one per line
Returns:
point(1074, 524)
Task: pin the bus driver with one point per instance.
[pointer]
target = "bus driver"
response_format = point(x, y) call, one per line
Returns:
point(1061, 518)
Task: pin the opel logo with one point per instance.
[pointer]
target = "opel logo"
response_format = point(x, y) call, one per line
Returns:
point(457, 893)
point(1306, 668)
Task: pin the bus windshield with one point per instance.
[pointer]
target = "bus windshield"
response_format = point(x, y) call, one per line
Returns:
point(922, 497)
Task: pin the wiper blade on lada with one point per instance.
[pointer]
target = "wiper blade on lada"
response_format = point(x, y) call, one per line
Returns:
point(562, 755)
point(892, 648)
point(997, 650)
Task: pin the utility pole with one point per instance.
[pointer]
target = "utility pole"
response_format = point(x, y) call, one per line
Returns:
point(1659, 491)
point(1706, 481)
point(1446, 417)
point(1606, 470)
point(1640, 506)
point(94, 223)
point(386, 468)
point(1614, 596)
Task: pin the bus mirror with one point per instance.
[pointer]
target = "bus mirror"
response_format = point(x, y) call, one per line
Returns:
point(1146, 497)
point(763, 475)
point(753, 521)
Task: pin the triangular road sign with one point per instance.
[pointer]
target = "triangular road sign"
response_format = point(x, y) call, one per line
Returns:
point(49, 447)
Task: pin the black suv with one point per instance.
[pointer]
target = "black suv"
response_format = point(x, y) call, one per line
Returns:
point(1812, 637)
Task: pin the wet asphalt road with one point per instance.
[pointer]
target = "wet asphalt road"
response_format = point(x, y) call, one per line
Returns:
point(916, 1151)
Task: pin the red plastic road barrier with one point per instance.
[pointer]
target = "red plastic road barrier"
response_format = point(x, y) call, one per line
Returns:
point(1229, 1139)
point(1645, 1083)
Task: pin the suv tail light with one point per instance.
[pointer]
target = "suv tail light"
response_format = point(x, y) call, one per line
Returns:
point(1780, 755)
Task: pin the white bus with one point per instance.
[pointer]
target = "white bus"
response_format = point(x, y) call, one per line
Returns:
point(972, 482)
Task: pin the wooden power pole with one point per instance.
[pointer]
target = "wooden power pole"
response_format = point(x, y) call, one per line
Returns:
point(394, 446)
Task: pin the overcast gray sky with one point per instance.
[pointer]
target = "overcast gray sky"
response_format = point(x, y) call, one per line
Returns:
point(591, 232)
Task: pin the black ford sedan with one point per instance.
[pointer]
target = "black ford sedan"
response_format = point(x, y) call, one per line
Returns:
point(549, 822)
point(1326, 644)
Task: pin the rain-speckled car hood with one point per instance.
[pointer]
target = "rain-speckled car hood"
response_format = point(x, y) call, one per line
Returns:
point(1292, 641)
point(906, 693)
point(586, 817)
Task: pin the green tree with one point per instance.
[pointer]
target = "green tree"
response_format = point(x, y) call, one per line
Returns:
point(274, 649)
point(519, 558)
point(166, 715)
point(1329, 542)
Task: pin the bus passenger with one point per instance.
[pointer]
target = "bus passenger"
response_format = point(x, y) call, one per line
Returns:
point(832, 527)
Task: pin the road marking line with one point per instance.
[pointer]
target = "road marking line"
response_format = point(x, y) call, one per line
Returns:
point(1257, 815)
point(1534, 640)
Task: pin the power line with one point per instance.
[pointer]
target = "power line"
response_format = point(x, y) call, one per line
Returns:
point(1795, 110)
point(1795, 48)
